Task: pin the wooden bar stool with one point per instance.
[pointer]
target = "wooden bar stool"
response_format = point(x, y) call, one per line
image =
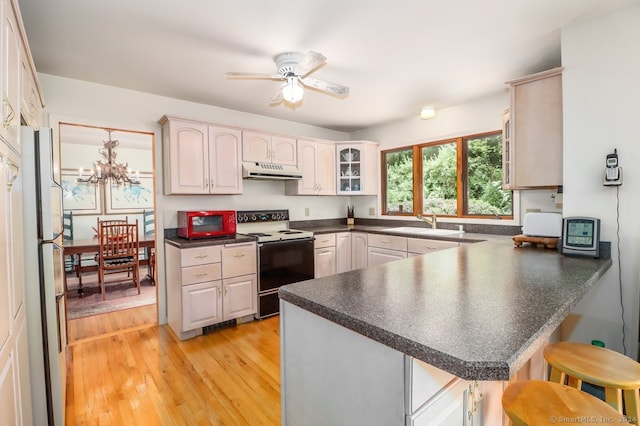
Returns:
point(537, 403)
point(618, 374)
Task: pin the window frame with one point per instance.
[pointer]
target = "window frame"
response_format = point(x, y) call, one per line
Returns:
point(461, 177)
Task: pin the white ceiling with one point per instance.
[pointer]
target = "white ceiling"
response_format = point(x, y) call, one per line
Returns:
point(394, 56)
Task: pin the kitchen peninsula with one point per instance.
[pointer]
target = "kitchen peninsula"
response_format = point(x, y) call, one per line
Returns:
point(426, 340)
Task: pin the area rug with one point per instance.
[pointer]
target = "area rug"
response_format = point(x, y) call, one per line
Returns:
point(118, 296)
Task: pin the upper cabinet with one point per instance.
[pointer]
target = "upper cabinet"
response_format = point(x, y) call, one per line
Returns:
point(200, 158)
point(357, 171)
point(10, 76)
point(316, 161)
point(31, 106)
point(532, 132)
point(265, 148)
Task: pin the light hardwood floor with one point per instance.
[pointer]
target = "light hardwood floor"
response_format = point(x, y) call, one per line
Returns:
point(146, 376)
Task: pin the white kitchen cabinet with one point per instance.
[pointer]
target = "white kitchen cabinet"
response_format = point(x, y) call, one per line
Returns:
point(10, 64)
point(209, 284)
point(324, 257)
point(194, 283)
point(358, 250)
point(385, 248)
point(419, 246)
point(15, 399)
point(532, 132)
point(454, 405)
point(357, 171)
point(343, 252)
point(266, 148)
point(316, 162)
point(31, 105)
point(240, 280)
point(200, 158)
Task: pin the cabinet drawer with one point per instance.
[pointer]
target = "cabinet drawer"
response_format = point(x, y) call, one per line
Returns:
point(388, 242)
point(199, 255)
point(239, 259)
point(325, 240)
point(422, 246)
point(200, 273)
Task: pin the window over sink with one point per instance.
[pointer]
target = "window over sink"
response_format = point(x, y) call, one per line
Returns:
point(459, 177)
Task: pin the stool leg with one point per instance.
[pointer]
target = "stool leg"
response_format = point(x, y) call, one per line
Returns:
point(557, 376)
point(614, 398)
point(632, 405)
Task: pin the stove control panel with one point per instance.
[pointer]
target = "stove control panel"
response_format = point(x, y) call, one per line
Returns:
point(257, 216)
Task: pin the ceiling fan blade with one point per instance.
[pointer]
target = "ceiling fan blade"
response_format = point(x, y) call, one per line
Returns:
point(326, 86)
point(308, 63)
point(255, 75)
point(277, 98)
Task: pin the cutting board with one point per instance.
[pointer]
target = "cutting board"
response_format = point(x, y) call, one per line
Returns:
point(548, 242)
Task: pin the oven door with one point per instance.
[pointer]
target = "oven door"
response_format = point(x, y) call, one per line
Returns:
point(285, 262)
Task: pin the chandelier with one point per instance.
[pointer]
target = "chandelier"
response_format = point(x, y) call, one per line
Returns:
point(107, 169)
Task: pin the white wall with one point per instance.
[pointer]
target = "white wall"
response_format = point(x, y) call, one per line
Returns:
point(601, 92)
point(482, 115)
point(81, 102)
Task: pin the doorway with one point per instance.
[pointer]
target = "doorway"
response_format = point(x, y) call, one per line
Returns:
point(107, 174)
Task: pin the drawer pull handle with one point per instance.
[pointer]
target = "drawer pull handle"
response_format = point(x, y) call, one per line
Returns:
point(202, 274)
point(238, 255)
point(202, 256)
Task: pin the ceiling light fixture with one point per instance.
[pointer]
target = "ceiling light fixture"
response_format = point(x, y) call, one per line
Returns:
point(292, 92)
point(109, 169)
point(427, 112)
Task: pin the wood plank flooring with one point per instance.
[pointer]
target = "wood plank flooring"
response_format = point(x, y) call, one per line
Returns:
point(109, 323)
point(145, 375)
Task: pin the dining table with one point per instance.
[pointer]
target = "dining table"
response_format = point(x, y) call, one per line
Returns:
point(84, 246)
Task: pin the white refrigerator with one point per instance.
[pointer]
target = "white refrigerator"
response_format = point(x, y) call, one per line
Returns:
point(44, 274)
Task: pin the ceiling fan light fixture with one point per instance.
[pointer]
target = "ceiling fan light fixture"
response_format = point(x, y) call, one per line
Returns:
point(292, 91)
point(427, 112)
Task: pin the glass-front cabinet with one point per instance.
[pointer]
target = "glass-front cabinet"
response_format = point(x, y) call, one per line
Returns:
point(357, 168)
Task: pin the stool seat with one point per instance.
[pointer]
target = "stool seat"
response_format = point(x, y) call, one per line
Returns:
point(579, 362)
point(537, 403)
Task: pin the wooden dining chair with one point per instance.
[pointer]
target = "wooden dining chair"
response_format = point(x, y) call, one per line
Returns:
point(118, 251)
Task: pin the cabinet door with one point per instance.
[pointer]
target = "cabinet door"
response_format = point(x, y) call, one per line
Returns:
point(536, 130)
point(11, 88)
point(343, 252)
point(201, 305)
point(15, 244)
point(325, 262)
point(307, 166)
point(225, 166)
point(239, 296)
point(31, 106)
point(188, 159)
point(377, 256)
point(5, 256)
point(256, 147)
point(284, 150)
point(358, 250)
point(326, 168)
point(8, 392)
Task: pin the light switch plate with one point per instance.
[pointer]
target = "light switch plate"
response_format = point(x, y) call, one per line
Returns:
point(372, 211)
point(307, 211)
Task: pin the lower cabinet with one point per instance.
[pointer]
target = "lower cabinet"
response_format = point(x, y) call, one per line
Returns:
point(209, 284)
point(385, 248)
point(343, 252)
point(324, 255)
point(358, 250)
point(419, 246)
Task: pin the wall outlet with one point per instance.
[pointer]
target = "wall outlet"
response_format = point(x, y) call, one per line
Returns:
point(372, 211)
point(307, 211)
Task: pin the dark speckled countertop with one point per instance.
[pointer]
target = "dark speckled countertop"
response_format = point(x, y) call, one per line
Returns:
point(479, 311)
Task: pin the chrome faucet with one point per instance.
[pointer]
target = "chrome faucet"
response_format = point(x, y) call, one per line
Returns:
point(431, 221)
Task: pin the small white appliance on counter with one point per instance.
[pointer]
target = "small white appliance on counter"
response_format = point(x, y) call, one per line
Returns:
point(542, 224)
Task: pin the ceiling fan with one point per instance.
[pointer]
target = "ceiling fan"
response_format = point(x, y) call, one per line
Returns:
point(293, 69)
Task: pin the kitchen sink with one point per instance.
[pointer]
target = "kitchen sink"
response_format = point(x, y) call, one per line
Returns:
point(422, 231)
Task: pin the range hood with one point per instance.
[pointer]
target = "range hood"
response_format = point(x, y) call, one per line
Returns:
point(257, 170)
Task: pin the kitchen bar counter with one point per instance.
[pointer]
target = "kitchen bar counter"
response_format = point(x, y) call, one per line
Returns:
point(478, 312)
